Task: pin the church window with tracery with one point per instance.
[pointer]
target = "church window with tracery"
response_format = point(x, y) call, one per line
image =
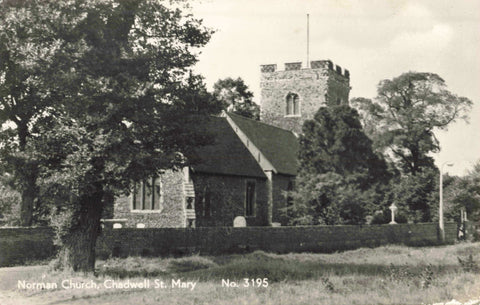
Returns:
point(147, 195)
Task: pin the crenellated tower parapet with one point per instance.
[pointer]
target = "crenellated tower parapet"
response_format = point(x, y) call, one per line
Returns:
point(293, 95)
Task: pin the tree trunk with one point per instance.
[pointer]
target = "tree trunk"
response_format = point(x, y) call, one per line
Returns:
point(28, 172)
point(22, 130)
point(28, 177)
point(78, 244)
point(415, 160)
point(26, 208)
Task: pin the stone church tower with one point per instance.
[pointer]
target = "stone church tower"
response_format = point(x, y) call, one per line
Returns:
point(290, 97)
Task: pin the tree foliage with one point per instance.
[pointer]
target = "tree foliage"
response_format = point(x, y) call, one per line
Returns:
point(462, 193)
point(337, 169)
point(9, 203)
point(407, 111)
point(335, 142)
point(416, 196)
point(236, 97)
point(128, 108)
point(29, 42)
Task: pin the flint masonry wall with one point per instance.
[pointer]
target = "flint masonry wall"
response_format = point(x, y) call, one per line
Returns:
point(227, 194)
point(172, 213)
point(18, 245)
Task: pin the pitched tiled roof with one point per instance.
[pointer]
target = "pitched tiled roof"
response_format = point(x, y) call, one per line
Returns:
point(227, 155)
point(278, 145)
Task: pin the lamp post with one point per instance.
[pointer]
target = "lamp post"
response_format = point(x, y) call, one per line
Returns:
point(440, 207)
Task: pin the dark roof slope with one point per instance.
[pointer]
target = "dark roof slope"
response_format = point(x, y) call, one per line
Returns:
point(227, 155)
point(279, 146)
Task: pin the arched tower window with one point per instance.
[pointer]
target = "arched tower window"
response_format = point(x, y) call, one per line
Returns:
point(292, 104)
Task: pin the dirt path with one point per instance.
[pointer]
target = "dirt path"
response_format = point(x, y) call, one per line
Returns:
point(14, 298)
point(9, 278)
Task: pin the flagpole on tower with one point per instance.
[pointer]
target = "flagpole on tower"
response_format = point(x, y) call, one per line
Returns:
point(308, 40)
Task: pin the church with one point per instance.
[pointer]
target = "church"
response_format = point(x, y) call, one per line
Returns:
point(249, 165)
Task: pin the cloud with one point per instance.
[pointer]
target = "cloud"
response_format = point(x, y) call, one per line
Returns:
point(439, 36)
point(414, 10)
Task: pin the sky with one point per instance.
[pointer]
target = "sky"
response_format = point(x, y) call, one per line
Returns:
point(373, 39)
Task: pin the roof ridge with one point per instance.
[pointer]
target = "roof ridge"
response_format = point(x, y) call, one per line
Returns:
point(259, 122)
point(279, 146)
point(216, 157)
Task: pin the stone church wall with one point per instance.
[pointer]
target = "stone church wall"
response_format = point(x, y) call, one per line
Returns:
point(227, 200)
point(172, 214)
point(280, 185)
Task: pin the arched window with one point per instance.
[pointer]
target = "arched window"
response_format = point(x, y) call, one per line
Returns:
point(292, 104)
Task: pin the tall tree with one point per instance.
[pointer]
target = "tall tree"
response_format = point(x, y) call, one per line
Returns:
point(127, 109)
point(335, 142)
point(28, 44)
point(237, 98)
point(405, 114)
point(337, 169)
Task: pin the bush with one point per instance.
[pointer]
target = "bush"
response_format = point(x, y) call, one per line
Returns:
point(9, 206)
point(416, 196)
point(385, 217)
point(468, 264)
point(328, 284)
point(427, 277)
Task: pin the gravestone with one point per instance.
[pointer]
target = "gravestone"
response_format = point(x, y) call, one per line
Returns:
point(239, 222)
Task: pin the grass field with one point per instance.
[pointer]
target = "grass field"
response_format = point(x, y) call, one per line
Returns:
point(385, 275)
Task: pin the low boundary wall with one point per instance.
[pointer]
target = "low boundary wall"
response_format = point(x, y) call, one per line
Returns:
point(219, 240)
point(19, 245)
